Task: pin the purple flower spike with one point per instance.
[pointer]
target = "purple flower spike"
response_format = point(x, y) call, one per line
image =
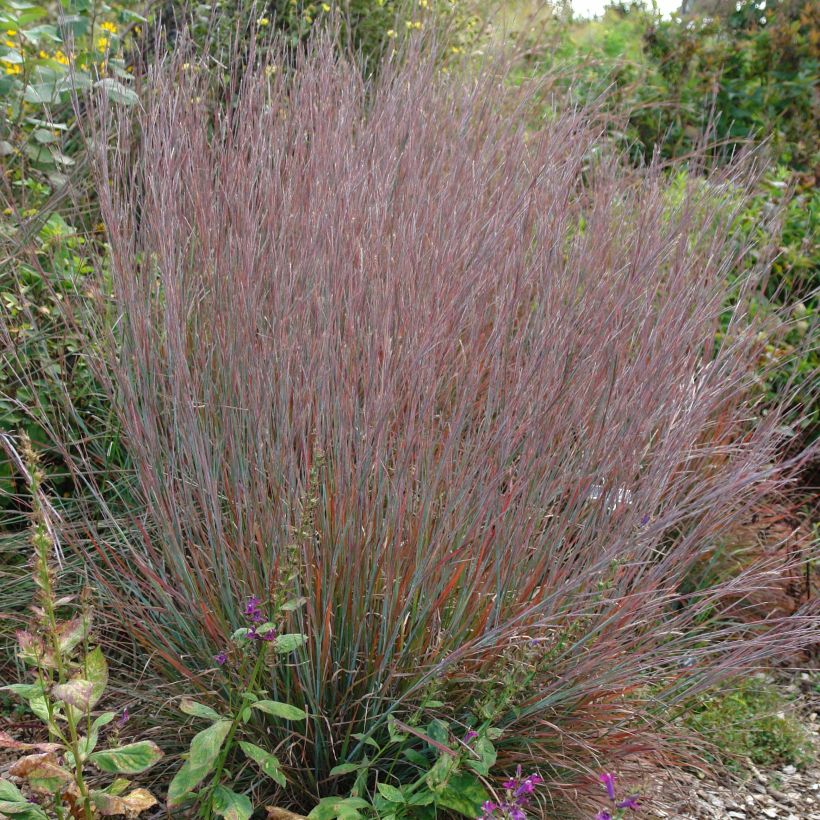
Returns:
point(470, 735)
point(630, 803)
point(221, 658)
point(608, 779)
point(603, 814)
point(252, 611)
point(123, 718)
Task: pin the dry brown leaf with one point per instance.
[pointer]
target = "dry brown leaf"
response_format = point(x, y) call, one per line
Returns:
point(132, 804)
point(8, 742)
point(275, 813)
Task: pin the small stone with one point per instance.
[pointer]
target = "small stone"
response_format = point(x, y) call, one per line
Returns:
point(737, 815)
point(789, 770)
point(770, 812)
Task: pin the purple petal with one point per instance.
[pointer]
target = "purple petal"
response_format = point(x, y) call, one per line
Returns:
point(630, 803)
point(608, 779)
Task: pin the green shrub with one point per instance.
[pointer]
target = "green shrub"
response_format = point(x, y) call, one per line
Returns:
point(751, 720)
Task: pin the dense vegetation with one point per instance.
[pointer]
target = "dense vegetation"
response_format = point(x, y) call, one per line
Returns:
point(396, 406)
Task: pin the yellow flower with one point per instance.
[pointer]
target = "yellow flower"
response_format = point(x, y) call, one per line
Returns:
point(8, 211)
point(391, 33)
point(61, 58)
point(13, 69)
point(263, 21)
point(43, 55)
point(8, 43)
point(424, 3)
point(102, 43)
point(11, 32)
point(325, 7)
point(110, 27)
point(270, 70)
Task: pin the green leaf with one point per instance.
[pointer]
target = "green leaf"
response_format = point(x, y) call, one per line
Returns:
point(330, 808)
point(266, 761)
point(200, 710)
point(201, 759)
point(289, 642)
point(41, 93)
point(391, 793)
point(488, 756)
point(10, 793)
point(294, 604)
point(345, 768)
point(131, 759)
point(116, 91)
point(282, 710)
point(96, 670)
point(464, 794)
point(230, 805)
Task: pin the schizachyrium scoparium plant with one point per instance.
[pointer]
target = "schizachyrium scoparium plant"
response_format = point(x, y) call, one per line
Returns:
point(481, 395)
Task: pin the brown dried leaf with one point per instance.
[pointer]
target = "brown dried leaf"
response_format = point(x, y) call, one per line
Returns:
point(42, 771)
point(132, 804)
point(8, 742)
point(275, 813)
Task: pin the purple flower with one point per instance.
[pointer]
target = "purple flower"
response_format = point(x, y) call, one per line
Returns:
point(645, 520)
point(488, 809)
point(470, 735)
point(630, 803)
point(608, 779)
point(123, 718)
point(603, 814)
point(252, 611)
point(221, 658)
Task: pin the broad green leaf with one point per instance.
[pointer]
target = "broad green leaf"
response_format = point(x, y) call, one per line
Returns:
point(11, 56)
point(191, 707)
point(230, 805)
point(201, 759)
point(10, 793)
point(464, 794)
point(281, 710)
point(131, 759)
point(266, 761)
point(117, 92)
point(41, 93)
point(289, 642)
point(391, 793)
point(330, 808)
point(96, 670)
point(488, 757)
point(76, 693)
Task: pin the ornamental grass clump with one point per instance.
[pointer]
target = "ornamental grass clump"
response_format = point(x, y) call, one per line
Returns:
point(478, 396)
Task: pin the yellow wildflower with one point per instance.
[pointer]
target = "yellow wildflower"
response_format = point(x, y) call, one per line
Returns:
point(417, 25)
point(325, 7)
point(8, 211)
point(11, 32)
point(424, 3)
point(13, 69)
point(270, 70)
point(8, 43)
point(43, 55)
point(61, 58)
point(263, 21)
point(110, 27)
point(391, 33)
point(102, 43)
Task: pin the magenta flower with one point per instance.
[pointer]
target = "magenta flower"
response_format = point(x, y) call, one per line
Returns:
point(608, 779)
point(252, 611)
point(221, 658)
point(603, 814)
point(123, 718)
point(470, 735)
point(630, 803)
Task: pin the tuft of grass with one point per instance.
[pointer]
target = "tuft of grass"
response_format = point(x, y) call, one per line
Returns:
point(472, 392)
point(750, 719)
